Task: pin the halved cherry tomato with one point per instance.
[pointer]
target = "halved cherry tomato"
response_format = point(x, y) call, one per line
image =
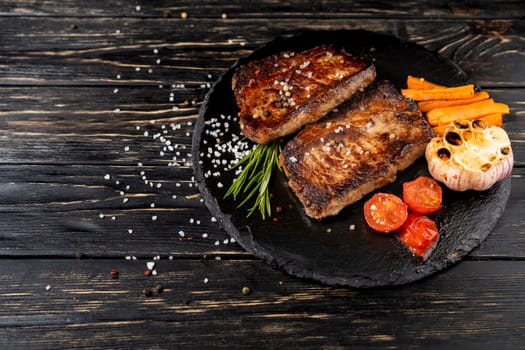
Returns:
point(385, 212)
point(418, 233)
point(422, 195)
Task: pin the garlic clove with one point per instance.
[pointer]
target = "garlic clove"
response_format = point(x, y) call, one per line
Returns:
point(472, 155)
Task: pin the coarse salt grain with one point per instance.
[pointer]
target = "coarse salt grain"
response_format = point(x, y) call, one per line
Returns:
point(150, 265)
point(107, 177)
point(154, 217)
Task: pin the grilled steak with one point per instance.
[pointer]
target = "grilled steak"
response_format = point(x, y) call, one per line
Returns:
point(279, 94)
point(356, 149)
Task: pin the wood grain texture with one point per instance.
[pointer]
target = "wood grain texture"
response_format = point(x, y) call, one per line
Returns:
point(79, 305)
point(49, 52)
point(236, 9)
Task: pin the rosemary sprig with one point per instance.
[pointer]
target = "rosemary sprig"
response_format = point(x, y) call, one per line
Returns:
point(254, 179)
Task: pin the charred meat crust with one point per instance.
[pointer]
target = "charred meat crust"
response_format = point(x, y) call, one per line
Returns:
point(281, 93)
point(356, 149)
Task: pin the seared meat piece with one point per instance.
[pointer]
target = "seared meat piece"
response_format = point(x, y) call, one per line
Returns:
point(356, 149)
point(279, 94)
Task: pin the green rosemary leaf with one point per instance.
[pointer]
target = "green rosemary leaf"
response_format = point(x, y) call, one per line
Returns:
point(254, 179)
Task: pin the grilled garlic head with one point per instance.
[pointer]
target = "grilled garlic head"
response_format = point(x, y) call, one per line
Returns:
point(472, 155)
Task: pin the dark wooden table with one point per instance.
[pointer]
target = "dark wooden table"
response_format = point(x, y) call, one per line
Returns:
point(89, 94)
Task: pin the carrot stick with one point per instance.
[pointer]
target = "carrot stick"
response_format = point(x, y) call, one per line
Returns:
point(471, 111)
point(426, 106)
point(452, 93)
point(495, 119)
point(421, 84)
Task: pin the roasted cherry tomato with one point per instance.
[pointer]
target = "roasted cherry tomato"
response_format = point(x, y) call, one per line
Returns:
point(418, 233)
point(422, 195)
point(385, 212)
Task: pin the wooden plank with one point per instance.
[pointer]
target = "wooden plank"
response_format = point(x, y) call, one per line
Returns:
point(46, 51)
point(238, 9)
point(54, 304)
point(106, 211)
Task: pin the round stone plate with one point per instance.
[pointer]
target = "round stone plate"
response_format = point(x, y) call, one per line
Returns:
point(341, 250)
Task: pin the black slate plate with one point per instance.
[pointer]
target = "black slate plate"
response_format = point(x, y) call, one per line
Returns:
point(330, 251)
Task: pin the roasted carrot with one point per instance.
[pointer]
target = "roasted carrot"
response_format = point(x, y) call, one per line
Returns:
point(421, 84)
point(495, 119)
point(471, 111)
point(451, 93)
point(426, 106)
